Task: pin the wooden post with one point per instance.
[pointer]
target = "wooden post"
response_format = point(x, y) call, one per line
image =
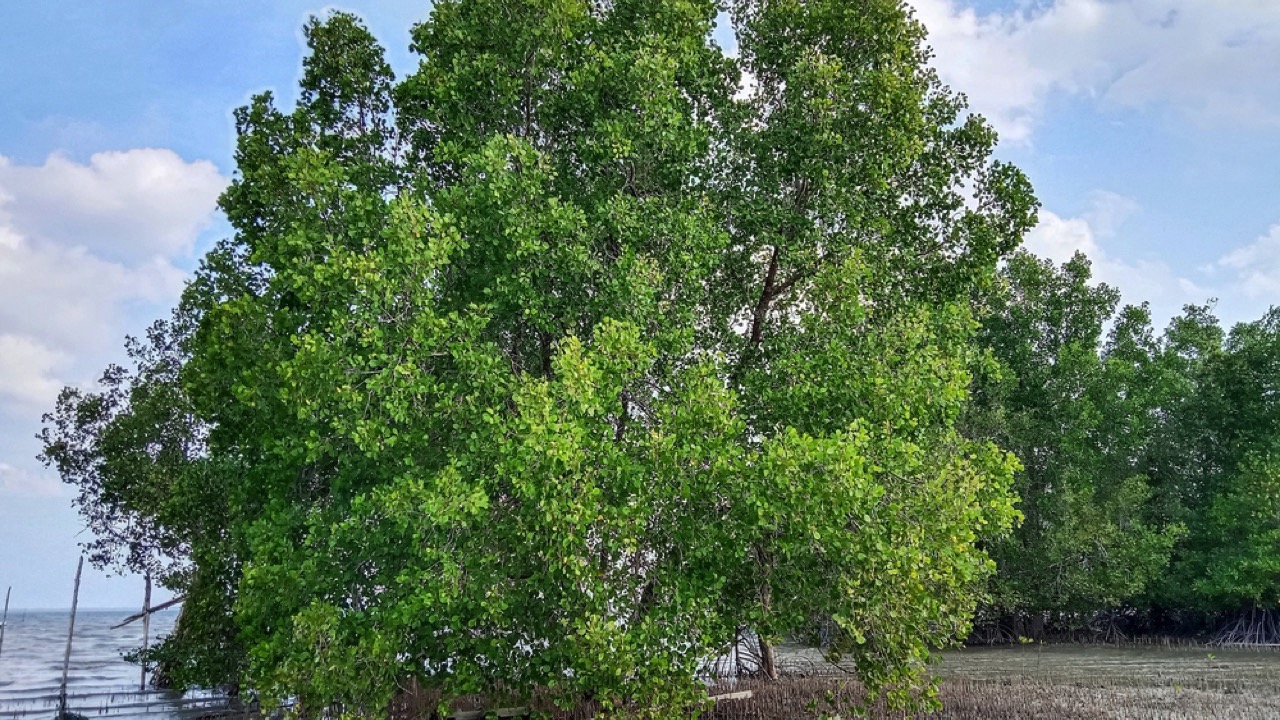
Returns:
point(146, 631)
point(4, 620)
point(71, 631)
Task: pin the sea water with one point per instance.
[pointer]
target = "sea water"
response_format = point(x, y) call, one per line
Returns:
point(100, 683)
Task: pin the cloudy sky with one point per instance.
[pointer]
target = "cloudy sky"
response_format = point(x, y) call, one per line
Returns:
point(1150, 128)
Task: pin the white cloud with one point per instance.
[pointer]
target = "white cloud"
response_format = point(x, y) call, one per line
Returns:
point(1212, 59)
point(1257, 266)
point(1108, 212)
point(88, 252)
point(28, 371)
point(126, 206)
point(1058, 238)
point(72, 298)
point(16, 481)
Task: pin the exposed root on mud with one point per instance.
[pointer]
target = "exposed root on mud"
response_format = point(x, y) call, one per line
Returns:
point(1112, 634)
point(1255, 628)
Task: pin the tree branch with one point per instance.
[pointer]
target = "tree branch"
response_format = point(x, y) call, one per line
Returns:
point(149, 611)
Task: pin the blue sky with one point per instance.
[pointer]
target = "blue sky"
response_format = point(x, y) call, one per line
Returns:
point(1150, 128)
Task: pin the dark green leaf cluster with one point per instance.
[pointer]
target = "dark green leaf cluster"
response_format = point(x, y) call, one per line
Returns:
point(1149, 463)
point(1219, 473)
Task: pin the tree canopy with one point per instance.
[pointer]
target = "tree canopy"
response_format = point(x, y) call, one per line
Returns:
point(1077, 411)
point(1148, 480)
point(572, 359)
point(588, 352)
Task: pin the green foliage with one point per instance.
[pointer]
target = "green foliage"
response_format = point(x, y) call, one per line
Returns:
point(1240, 538)
point(1080, 417)
point(1223, 476)
point(154, 501)
point(1149, 463)
point(559, 363)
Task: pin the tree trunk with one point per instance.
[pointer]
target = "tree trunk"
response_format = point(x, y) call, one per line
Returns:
point(161, 674)
point(768, 661)
point(1037, 626)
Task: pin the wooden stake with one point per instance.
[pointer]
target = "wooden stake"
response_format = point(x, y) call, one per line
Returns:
point(71, 631)
point(146, 631)
point(5, 619)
